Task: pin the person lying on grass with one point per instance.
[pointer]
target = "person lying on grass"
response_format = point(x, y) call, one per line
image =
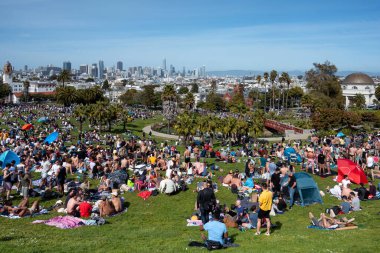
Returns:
point(327, 222)
point(22, 209)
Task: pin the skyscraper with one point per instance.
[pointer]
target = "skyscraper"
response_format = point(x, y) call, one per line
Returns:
point(94, 70)
point(67, 66)
point(26, 68)
point(164, 64)
point(83, 69)
point(119, 65)
point(101, 69)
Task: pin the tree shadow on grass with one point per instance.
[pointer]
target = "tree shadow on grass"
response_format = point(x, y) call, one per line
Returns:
point(276, 226)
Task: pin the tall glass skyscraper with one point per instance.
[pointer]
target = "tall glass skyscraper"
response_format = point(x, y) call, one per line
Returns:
point(164, 64)
point(119, 65)
point(101, 69)
point(67, 66)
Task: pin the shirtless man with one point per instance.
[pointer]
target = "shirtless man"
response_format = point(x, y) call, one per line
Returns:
point(352, 152)
point(106, 207)
point(73, 206)
point(22, 209)
point(227, 179)
point(116, 201)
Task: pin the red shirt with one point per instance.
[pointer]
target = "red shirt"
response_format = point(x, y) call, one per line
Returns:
point(85, 209)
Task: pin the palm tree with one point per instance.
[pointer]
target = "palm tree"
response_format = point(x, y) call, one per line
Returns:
point(258, 79)
point(125, 118)
point(185, 126)
point(256, 123)
point(169, 93)
point(81, 113)
point(67, 95)
point(265, 83)
point(273, 76)
point(287, 80)
point(64, 76)
point(26, 85)
point(189, 101)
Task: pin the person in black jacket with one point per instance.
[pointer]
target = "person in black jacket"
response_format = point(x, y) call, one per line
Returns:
point(206, 201)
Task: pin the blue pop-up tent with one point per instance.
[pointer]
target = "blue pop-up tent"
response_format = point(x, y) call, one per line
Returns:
point(51, 138)
point(307, 189)
point(9, 156)
point(43, 119)
point(340, 135)
point(288, 152)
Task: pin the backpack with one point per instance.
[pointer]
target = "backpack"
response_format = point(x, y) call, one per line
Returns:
point(211, 245)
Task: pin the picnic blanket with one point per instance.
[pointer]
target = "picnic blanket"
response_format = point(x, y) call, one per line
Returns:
point(63, 222)
point(333, 228)
point(144, 194)
point(118, 177)
point(12, 216)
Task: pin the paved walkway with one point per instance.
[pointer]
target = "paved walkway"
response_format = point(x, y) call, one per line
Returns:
point(148, 129)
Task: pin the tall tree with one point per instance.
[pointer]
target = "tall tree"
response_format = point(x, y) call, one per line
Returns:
point(26, 85)
point(194, 88)
point(323, 83)
point(189, 101)
point(266, 75)
point(272, 77)
point(106, 85)
point(258, 79)
point(64, 76)
point(169, 93)
point(286, 79)
point(81, 113)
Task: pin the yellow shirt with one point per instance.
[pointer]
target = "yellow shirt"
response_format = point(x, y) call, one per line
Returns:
point(265, 200)
point(152, 159)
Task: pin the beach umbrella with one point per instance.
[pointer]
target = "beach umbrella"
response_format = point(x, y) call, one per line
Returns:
point(8, 156)
point(51, 137)
point(27, 127)
point(43, 119)
point(340, 134)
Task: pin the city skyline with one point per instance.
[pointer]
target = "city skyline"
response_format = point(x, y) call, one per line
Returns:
point(222, 35)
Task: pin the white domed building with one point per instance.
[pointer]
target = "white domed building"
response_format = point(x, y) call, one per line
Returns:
point(358, 83)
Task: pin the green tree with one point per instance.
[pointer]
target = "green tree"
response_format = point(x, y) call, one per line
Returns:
point(169, 93)
point(129, 97)
point(266, 75)
point(325, 86)
point(185, 126)
point(258, 79)
point(125, 118)
point(286, 79)
point(194, 88)
point(214, 102)
point(26, 85)
point(67, 95)
point(272, 76)
point(64, 76)
point(106, 85)
point(237, 103)
point(81, 113)
point(358, 101)
point(296, 94)
point(5, 90)
point(377, 93)
point(183, 90)
point(148, 95)
point(189, 101)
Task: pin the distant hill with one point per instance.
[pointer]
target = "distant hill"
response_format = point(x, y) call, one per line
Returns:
point(241, 73)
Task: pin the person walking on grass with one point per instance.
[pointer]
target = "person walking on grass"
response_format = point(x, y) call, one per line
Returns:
point(265, 204)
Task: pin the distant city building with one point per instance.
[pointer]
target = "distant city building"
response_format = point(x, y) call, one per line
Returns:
point(119, 65)
point(94, 70)
point(101, 69)
point(67, 66)
point(26, 68)
point(164, 64)
point(358, 83)
point(83, 69)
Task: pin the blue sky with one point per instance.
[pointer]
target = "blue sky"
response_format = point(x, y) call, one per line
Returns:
point(220, 34)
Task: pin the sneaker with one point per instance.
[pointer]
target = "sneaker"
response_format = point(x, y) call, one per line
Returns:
point(267, 234)
point(257, 233)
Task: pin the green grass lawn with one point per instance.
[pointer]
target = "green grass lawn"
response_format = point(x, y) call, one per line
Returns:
point(158, 224)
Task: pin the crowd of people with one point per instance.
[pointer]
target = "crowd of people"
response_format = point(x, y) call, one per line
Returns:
point(91, 173)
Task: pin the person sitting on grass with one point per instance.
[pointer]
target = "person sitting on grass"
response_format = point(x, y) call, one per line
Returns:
point(217, 232)
point(327, 222)
point(106, 207)
point(249, 220)
point(345, 206)
point(73, 206)
point(355, 202)
point(116, 201)
point(167, 186)
point(227, 179)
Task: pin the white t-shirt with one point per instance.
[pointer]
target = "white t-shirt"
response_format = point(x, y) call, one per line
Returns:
point(345, 183)
point(370, 161)
point(55, 168)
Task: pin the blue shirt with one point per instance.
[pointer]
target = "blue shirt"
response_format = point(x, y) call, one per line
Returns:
point(263, 161)
point(253, 217)
point(249, 183)
point(346, 207)
point(216, 230)
point(272, 168)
